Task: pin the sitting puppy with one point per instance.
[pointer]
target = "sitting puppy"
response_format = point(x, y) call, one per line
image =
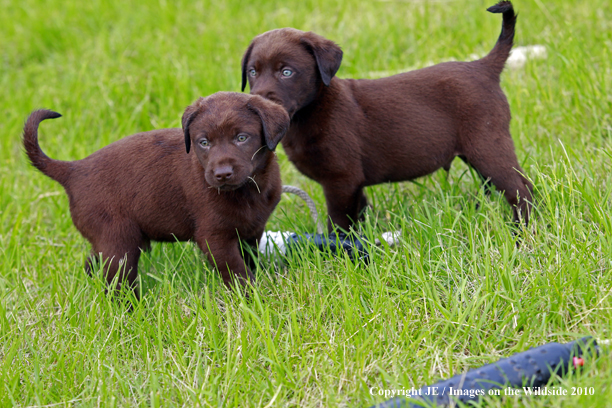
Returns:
point(145, 187)
point(347, 134)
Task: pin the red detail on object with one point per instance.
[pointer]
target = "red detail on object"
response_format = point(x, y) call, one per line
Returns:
point(578, 362)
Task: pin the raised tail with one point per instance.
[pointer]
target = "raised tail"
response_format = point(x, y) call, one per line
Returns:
point(496, 59)
point(56, 169)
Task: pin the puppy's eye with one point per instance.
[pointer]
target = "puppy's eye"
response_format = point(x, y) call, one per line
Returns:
point(204, 143)
point(242, 138)
point(252, 72)
point(287, 72)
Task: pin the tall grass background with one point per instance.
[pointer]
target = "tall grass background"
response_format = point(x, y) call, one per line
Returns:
point(455, 294)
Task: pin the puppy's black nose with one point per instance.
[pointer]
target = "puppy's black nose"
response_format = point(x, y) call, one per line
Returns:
point(224, 173)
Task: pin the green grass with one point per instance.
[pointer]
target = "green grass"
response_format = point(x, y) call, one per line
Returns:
point(456, 293)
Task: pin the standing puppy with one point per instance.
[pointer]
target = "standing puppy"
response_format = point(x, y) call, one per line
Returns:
point(347, 134)
point(145, 187)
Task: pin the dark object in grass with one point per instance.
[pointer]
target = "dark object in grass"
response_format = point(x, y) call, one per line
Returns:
point(145, 187)
point(332, 243)
point(347, 134)
point(532, 368)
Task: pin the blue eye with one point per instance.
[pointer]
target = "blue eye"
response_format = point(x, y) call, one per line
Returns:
point(252, 72)
point(287, 72)
point(204, 143)
point(242, 138)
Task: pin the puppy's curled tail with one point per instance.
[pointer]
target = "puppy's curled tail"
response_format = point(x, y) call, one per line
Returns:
point(56, 169)
point(496, 59)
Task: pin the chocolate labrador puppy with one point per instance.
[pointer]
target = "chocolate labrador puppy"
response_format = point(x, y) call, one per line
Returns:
point(347, 134)
point(145, 187)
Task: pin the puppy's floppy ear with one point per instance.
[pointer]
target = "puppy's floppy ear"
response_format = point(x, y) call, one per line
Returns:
point(190, 114)
point(245, 61)
point(274, 119)
point(327, 53)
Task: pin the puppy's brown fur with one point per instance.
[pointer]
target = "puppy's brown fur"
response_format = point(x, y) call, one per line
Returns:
point(347, 134)
point(145, 187)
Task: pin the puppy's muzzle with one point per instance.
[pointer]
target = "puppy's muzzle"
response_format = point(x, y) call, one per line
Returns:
point(226, 178)
point(223, 174)
point(269, 95)
point(289, 106)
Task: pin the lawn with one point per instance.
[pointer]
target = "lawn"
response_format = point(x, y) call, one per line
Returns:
point(317, 331)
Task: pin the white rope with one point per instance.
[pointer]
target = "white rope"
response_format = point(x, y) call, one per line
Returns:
point(392, 238)
point(309, 202)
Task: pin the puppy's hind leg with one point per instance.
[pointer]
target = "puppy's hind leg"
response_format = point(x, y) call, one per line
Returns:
point(494, 159)
point(119, 253)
